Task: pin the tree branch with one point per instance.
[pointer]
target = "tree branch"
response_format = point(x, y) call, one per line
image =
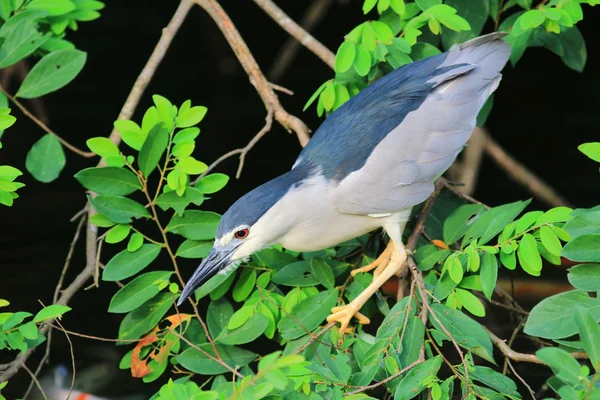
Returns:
point(42, 125)
point(257, 78)
point(297, 32)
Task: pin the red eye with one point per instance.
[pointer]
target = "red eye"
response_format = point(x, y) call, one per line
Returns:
point(242, 234)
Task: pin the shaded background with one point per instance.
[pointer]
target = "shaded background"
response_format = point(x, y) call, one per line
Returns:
point(542, 111)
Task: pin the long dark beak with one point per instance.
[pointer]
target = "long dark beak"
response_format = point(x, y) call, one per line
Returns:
point(214, 262)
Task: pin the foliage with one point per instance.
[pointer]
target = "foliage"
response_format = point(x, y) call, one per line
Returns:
point(38, 28)
point(8, 174)
point(277, 302)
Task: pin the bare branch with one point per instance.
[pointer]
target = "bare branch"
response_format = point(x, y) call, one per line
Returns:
point(242, 151)
point(34, 379)
point(522, 174)
point(521, 357)
point(287, 54)
point(297, 32)
point(257, 78)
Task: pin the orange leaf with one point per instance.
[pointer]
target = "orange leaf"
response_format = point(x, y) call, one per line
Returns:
point(439, 244)
point(140, 368)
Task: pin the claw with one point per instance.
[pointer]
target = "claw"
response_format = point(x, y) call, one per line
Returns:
point(343, 315)
point(378, 265)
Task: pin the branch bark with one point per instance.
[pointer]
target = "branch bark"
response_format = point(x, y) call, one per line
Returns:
point(297, 32)
point(257, 78)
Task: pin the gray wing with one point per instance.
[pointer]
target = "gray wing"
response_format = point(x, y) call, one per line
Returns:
point(400, 171)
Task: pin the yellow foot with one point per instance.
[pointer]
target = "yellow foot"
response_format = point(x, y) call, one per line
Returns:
point(343, 315)
point(379, 264)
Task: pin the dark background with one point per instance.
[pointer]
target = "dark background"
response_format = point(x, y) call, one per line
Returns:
point(543, 111)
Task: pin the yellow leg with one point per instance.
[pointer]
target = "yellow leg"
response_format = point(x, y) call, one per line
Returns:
point(344, 314)
point(379, 264)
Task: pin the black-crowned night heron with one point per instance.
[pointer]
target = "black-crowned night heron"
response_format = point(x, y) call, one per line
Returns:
point(368, 164)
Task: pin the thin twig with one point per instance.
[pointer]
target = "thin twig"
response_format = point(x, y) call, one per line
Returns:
point(257, 78)
point(297, 32)
point(513, 336)
point(521, 357)
point(384, 381)
point(287, 54)
point(413, 239)
point(522, 174)
point(72, 359)
point(68, 259)
point(39, 123)
point(34, 379)
point(244, 150)
point(531, 392)
point(448, 185)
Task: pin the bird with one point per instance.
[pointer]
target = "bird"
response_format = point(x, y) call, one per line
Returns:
point(368, 164)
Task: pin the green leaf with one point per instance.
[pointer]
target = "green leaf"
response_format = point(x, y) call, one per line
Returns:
point(564, 365)
point(101, 221)
point(135, 242)
point(187, 134)
point(218, 315)
point(556, 214)
point(212, 183)
point(585, 277)
point(102, 146)
point(21, 39)
point(153, 148)
point(585, 248)
point(191, 166)
point(29, 330)
point(248, 332)
point(198, 361)
point(145, 317)
point(529, 256)
point(489, 274)
point(575, 52)
point(308, 314)
point(322, 271)
point(53, 7)
point(455, 269)
point(589, 332)
point(109, 180)
point(46, 159)
point(427, 4)
point(475, 12)
point(9, 173)
point(52, 72)
point(362, 61)
point(119, 209)
point(191, 116)
point(117, 234)
point(592, 150)
point(195, 225)
point(552, 318)
point(417, 379)
point(240, 317)
point(494, 220)
point(422, 50)
point(550, 240)
point(14, 319)
point(394, 320)
point(471, 302)
point(467, 332)
point(296, 274)
point(51, 312)
point(194, 249)
point(6, 121)
point(368, 5)
point(527, 220)
point(457, 223)
point(126, 264)
point(344, 57)
point(245, 284)
point(131, 133)
point(328, 96)
point(494, 379)
point(184, 149)
point(137, 292)
point(531, 19)
point(315, 95)
point(213, 283)
point(585, 222)
point(179, 203)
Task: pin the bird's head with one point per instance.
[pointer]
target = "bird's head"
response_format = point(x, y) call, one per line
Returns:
point(257, 220)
